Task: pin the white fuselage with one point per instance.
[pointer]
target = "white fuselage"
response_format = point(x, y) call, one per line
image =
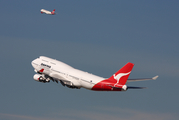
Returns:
point(64, 72)
point(45, 11)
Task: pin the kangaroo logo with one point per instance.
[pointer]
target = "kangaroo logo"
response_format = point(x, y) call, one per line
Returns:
point(118, 77)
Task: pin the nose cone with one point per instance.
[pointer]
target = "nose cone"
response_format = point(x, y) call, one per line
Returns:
point(35, 63)
point(32, 63)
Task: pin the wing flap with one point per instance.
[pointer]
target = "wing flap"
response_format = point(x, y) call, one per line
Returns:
point(62, 80)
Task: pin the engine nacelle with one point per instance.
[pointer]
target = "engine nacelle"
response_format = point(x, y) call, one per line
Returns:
point(40, 78)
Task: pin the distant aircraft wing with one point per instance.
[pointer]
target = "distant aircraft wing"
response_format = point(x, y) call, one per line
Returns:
point(143, 79)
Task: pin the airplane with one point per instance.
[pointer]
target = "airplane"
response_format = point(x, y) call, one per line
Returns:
point(48, 12)
point(50, 69)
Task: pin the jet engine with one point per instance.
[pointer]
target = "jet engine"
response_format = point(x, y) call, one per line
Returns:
point(41, 78)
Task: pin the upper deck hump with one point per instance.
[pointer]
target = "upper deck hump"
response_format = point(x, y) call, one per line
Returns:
point(55, 62)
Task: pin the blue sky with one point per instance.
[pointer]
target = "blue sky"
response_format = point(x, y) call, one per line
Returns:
point(97, 36)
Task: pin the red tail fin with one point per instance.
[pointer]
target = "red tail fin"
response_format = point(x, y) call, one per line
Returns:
point(122, 75)
point(53, 12)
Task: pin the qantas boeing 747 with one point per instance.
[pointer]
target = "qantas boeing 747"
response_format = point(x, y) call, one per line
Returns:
point(47, 12)
point(50, 69)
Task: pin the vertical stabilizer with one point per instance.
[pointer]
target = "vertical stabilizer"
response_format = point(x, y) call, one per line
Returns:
point(53, 12)
point(121, 76)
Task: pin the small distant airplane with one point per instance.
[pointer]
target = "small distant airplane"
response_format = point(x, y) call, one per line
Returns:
point(50, 69)
point(48, 12)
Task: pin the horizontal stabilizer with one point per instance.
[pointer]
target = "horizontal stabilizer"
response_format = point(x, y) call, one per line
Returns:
point(142, 79)
point(136, 87)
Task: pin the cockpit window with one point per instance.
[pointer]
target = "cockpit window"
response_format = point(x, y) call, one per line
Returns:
point(35, 63)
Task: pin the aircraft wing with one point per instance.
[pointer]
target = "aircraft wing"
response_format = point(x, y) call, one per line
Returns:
point(62, 80)
point(56, 76)
point(142, 79)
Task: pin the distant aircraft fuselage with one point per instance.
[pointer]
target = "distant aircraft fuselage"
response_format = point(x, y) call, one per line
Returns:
point(48, 12)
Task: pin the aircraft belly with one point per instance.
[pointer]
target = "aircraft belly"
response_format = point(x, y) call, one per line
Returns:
point(87, 85)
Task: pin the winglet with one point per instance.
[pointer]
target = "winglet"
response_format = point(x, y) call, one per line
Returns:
point(154, 78)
